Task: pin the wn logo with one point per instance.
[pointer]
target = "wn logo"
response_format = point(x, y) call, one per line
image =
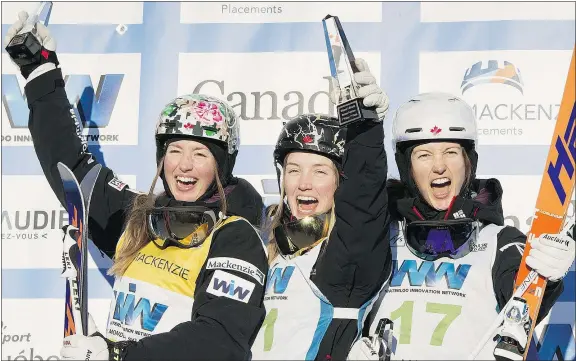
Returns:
point(93, 108)
point(127, 310)
point(228, 285)
point(278, 279)
point(230, 288)
point(564, 153)
point(429, 273)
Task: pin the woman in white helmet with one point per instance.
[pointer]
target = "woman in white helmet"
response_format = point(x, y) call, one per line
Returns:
point(189, 267)
point(454, 261)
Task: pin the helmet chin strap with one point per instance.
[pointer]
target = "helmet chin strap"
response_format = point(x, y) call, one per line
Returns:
point(165, 184)
point(279, 175)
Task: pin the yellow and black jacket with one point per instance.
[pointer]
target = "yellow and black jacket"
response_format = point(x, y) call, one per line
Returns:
point(202, 303)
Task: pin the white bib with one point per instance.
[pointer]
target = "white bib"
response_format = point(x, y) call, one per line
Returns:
point(297, 313)
point(141, 309)
point(442, 308)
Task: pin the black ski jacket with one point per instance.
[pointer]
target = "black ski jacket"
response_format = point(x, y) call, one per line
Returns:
point(356, 259)
point(219, 327)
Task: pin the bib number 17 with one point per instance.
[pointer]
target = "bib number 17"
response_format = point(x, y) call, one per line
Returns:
point(406, 312)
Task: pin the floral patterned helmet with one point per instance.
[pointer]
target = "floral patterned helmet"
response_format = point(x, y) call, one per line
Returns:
point(199, 117)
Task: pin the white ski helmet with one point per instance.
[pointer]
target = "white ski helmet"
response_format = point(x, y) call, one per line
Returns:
point(433, 116)
point(430, 117)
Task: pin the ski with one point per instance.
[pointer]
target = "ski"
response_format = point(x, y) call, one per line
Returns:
point(75, 252)
point(552, 203)
point(554, 196)
point(70, 271)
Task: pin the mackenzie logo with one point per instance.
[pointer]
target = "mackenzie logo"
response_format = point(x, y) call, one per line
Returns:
point(495, 72)
point(500, 102)
point(236, 265)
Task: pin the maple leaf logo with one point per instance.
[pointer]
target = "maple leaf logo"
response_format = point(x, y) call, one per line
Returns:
point(435, 130)
point(307, 139)
point(188, 126)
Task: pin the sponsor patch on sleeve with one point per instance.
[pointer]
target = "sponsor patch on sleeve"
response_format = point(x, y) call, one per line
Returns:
point(224, 284)
point(238, 265)
point(117, 184)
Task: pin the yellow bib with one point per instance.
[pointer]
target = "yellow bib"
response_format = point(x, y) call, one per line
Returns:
point(172, 268)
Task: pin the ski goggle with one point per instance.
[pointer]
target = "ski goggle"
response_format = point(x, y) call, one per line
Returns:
point(184, 227)
point(431, 240)
point(299, 234)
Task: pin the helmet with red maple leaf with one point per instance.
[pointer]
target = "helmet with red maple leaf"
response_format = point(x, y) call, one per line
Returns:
point(433, 117)
point(315, 133)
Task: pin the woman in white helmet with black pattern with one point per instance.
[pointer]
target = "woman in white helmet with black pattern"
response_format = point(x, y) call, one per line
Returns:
point(189, 267)
point(454, 260)
point(328, 246)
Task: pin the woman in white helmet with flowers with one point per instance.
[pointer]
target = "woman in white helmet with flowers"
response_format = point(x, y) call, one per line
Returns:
point(189, 267)
point(454, 260)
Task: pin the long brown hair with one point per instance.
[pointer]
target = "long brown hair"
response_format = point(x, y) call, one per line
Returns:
point(137, 234)
point(274, 215)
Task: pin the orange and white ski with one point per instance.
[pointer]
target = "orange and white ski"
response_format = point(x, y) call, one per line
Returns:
point(552, 204)
point(555, 192)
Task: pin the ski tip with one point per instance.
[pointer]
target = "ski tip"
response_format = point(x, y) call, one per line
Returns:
point(63, 168)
